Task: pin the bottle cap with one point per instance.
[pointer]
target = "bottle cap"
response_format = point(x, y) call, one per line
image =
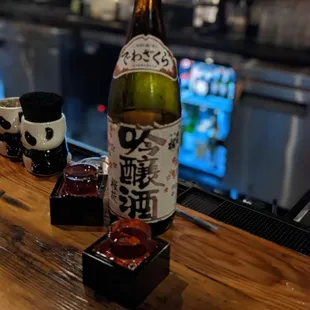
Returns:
point(41, 107)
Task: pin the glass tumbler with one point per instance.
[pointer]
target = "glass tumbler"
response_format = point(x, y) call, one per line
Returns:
point(81, 180)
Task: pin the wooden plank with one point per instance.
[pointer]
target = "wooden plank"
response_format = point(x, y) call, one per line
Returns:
point(40, 265)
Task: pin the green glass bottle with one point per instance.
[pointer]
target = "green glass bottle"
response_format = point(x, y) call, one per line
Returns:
point(144, 123)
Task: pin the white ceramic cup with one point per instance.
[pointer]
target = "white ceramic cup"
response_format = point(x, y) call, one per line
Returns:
point(10, 120)
point(45, 150)
point(43, 136)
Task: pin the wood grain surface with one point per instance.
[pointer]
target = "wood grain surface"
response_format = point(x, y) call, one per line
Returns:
point(40, 264)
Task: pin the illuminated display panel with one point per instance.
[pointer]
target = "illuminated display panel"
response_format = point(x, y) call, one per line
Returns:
point(207, 94)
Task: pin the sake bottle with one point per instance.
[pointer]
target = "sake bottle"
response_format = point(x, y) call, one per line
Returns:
point(144, 124)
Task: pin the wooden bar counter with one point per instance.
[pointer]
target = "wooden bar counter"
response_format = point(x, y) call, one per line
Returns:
point(40, 265)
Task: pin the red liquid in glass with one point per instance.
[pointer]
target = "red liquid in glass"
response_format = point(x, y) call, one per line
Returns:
point(129, 243)
point(81, 180)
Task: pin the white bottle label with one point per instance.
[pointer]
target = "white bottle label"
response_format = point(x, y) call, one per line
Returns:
point(146, 53)
point(143, 170)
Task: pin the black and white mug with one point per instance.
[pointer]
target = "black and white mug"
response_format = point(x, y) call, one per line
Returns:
point(10, 119)
point(45, 147)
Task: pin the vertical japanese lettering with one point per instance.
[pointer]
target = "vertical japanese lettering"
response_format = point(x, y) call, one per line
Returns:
point(138, 173)
point(139, 182)
point(128, 138)
point(141, 204)
point(113, 190)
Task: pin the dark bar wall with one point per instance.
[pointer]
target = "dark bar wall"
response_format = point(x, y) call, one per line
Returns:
point(260, 155)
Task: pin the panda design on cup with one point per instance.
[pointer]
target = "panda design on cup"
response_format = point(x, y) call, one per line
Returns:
point(10, 118)
point(46, 151)
point(44, 137)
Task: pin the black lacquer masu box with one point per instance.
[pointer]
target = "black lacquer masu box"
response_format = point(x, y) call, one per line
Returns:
point(87, 210)
point(123, 269)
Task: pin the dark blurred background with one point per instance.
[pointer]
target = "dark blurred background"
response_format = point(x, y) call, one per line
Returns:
point(244, 73)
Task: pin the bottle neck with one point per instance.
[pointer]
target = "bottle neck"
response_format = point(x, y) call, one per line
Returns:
point(147, 19)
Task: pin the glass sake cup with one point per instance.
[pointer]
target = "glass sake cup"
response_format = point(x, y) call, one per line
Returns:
point(81, 180)
point(129, 243)
point(130, 238)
